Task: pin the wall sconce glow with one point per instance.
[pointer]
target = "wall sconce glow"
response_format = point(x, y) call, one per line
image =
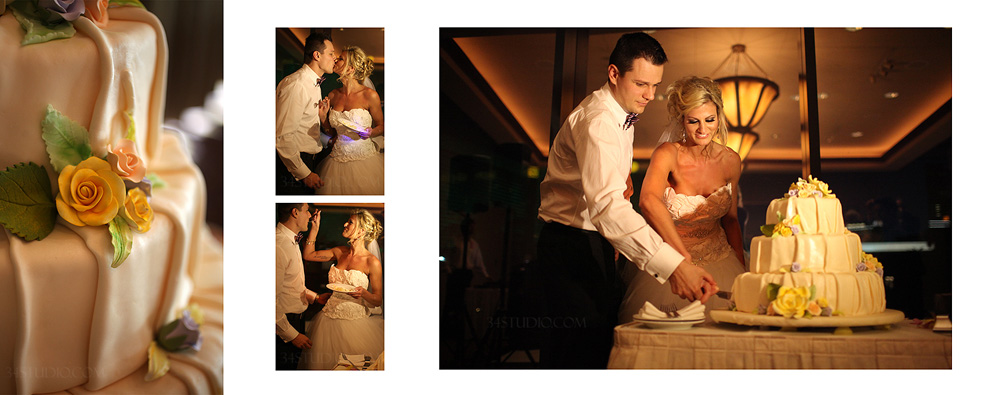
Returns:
point(532, 172)
point(891, 95)
point(857, 134)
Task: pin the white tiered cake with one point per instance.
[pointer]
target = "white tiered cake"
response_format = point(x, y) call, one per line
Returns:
point(807, 264)
point(80, 304)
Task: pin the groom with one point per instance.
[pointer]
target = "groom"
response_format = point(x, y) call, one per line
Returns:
point(588, 217)
point(297, 133)
point(291, 295)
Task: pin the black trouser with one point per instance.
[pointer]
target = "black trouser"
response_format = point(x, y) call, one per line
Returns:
point(286, 354)
point(285, 182)
point(583, 291)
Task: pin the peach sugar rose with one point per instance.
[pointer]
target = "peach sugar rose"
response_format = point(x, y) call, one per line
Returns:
point(90, 193)
point(97, 11)
point(125, 161)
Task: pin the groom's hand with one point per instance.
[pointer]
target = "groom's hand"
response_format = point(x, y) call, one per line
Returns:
point(321, 299)
point(303, 342)
point(692, 282)
point(313, 181)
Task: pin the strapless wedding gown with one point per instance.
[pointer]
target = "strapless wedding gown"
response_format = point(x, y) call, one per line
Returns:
point(354, 167)
point(697, 221)
point(346, 325)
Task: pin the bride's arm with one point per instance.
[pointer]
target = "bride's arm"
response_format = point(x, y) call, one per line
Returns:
point(654, 210)
point(375, 109)
point(374, 298)
point(309, 253)
point(731, 221)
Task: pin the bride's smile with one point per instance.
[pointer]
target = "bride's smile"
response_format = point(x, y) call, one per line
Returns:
point(701, 124)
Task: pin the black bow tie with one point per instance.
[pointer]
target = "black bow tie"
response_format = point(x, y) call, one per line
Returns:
point(298, 237)
point(320, 80)
point(630, 119)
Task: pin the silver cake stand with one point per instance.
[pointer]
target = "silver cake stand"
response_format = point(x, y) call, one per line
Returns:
point(842, 324)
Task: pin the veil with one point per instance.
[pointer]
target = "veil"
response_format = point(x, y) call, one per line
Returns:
point(672, 133)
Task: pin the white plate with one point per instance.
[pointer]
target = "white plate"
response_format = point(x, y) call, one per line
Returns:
point(670, 325)
point(343, 288)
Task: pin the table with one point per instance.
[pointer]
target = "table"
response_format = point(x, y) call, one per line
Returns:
point(728, 346)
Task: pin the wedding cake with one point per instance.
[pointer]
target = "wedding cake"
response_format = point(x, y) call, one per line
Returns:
point(807, 264)
point(109, 278)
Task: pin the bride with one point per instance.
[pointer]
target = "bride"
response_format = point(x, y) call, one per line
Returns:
point(354, 111)
point(688, 196)
point(345, 326)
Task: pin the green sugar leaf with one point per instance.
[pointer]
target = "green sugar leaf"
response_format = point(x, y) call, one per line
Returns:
point(66, 141)
point(27, 208)
point(767, 230)
point(772, 291)
point(36, 31)
point(121, 239)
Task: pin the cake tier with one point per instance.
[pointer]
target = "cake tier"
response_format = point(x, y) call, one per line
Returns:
point(92, 78)
point(70, 320)
point(852, 294)
point(818, 215)
point(815, 253)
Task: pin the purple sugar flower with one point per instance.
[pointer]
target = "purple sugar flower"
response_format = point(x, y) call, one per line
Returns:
point(826, 312)
point(181, 334)
point(880, 272)
point(795, 229)
point(861, 267)
point(761, 309)
point(796, 267)
point(67, 10)
point(793, 192)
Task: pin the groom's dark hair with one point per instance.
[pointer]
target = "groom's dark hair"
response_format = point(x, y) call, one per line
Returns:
point(314, 43)
point(632, 46)
point(284, 210)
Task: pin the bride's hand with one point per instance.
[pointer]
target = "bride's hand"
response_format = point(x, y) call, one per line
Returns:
point(365, 134)
point(315, 220)
point(324, 108)
point(357, 292)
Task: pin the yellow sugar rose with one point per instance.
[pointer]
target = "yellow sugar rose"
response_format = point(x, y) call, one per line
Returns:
point(791, 302)
point(822, 302)
point(136, 210)
point(90, 193)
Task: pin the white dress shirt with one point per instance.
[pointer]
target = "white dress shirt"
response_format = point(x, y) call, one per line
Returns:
point(584, 185)
point(297, 119)
point(291, 294)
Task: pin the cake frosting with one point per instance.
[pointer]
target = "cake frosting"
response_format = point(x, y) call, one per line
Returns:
point(807, 263)
point(75, 315)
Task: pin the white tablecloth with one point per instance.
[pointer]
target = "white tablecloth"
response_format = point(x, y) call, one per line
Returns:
point(725, 346)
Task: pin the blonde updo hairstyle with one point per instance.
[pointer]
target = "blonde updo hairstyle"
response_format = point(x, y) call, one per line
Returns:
point(356, 58)
point(368, 227)
point(687, 94)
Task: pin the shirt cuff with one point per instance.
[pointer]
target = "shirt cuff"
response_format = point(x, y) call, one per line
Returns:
point(662, 264)
point(288, 334)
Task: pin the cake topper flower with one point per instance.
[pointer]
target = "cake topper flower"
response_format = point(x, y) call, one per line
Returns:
point(62, 10)
point(784, 227)
point(90, 194)
point(870, 263)
point(89, 190)
point(47, 20)
point(181, 334)
point(810, 187)
point(125, 161)
point(795, 302)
